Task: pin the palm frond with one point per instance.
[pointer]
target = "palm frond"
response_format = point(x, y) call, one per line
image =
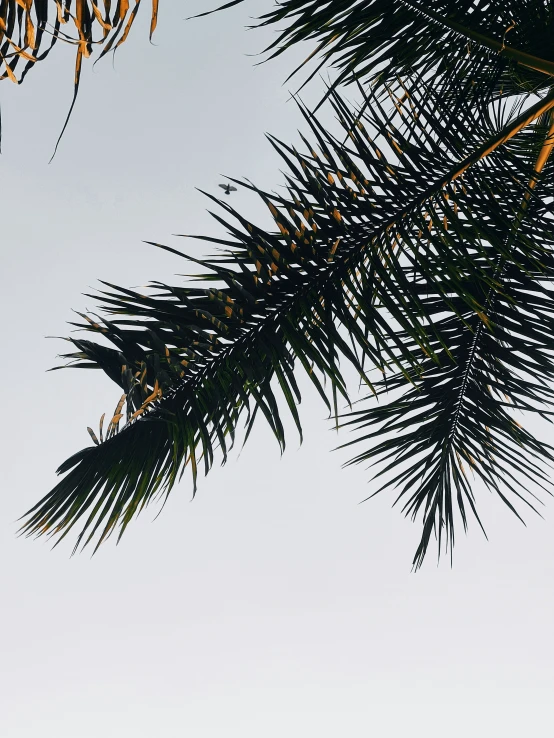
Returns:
point(460, 416)
point(191, 361)
point(29, 30)
point(496, 47)
point(403, 249)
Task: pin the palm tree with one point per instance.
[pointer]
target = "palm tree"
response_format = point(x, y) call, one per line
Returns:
point(417, 249)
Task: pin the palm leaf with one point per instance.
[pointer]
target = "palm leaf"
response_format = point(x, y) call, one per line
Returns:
point(341, 278)
point(461, 415)
point(29, 30)
point(496, 47)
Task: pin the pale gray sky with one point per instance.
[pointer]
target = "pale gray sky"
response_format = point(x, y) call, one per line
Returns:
point(273, 604)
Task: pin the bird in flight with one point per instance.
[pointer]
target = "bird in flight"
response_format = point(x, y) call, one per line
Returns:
point(228, 189)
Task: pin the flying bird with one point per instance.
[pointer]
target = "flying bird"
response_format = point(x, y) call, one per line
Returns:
point(228, 189)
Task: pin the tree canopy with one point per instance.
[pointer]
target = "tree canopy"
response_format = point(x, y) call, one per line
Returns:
point(416, 248)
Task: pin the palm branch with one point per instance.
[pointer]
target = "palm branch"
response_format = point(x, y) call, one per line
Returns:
point(29, 31)
point(461, 415)
point(496, 47)
point(416, 248)
point(349, 261)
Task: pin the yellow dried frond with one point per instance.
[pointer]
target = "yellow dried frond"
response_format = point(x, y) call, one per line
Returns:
point(27, 33)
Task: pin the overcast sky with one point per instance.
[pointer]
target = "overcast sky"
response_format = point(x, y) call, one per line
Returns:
point(273, 604)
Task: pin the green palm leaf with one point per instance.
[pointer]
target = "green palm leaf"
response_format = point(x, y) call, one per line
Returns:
point(461, 416)
point(336, 281)
point(494, 46)
point(416, 247)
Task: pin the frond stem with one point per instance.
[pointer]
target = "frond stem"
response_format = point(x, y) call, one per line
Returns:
point(511, 130)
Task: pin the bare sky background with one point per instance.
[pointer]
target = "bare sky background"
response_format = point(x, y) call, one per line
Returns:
point(273, 604)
